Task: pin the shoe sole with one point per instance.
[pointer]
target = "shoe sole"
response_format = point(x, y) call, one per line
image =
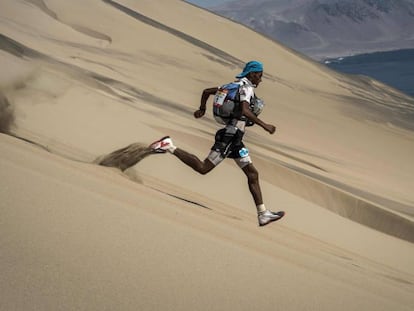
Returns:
point(158, 150)
point(281, 213)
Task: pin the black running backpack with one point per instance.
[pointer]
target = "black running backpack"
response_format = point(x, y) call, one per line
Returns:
point(226, 103)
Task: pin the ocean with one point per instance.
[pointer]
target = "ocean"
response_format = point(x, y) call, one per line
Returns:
point(395, 68)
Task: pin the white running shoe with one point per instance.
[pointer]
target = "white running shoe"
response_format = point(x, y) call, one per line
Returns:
point(163, 145)
point(267, 217)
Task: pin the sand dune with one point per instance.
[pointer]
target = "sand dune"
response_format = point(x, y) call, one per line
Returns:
point(97, 81)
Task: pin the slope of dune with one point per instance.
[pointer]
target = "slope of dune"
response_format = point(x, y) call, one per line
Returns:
point(82, 79)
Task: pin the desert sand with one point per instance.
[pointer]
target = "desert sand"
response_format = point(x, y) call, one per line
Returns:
point(82, 79)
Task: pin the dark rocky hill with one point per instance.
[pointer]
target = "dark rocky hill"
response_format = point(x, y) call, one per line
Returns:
point(322, 28)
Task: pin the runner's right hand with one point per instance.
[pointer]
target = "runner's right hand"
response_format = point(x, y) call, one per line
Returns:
point(270, 128)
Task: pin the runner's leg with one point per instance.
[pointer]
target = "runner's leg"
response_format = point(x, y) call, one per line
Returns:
point(202, 167)
point(253, 181)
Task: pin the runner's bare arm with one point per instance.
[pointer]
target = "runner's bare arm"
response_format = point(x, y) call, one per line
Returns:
point(249, 114)
point(203, 102)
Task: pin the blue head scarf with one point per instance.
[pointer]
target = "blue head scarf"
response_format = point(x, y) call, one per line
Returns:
point(252, 66)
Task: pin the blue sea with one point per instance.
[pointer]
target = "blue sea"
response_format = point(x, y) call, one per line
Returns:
point(395, 68)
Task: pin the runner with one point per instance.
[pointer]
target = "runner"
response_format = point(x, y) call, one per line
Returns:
point(228, 140)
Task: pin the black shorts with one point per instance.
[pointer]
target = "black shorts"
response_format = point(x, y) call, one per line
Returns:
point(228, 142)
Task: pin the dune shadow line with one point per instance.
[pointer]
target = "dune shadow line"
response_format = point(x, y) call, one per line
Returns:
point(231, 61)
point(183, 199)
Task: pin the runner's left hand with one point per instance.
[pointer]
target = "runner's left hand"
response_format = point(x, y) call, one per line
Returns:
point(199, 113)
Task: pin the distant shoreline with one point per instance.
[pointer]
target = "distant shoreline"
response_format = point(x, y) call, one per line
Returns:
point(395, 68)
point(385, 52)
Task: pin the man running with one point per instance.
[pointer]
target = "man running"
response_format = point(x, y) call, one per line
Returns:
point(228, 140)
